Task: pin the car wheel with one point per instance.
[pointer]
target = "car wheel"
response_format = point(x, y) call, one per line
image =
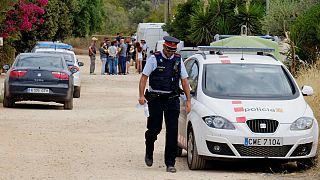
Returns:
point(68, 104)
point(179, 151)
point(193, 159)
point(306, 163)
point(76, 92)
point(7, 101)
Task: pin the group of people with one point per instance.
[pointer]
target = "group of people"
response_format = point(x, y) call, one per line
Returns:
point(116, 55)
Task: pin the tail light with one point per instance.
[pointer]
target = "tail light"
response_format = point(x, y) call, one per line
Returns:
point(61, 75)
point(73, 68)
point(17, 74)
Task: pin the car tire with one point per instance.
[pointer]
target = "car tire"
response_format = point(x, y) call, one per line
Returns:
point(179, 151)
point(8, 102)
point(306, 163)
point(194, 160)
point(76, 92)
point(68, 104)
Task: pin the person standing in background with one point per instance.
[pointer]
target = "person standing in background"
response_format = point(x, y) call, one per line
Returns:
point(103, 56)
point(107, 41)
point(139, 57)
point(122, 56)
point(92, 55)
point(144, 52)
point(112, 50)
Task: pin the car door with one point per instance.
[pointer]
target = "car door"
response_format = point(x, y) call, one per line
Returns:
point(192, 68)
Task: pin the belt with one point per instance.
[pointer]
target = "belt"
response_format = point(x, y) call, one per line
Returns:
point(159, 96)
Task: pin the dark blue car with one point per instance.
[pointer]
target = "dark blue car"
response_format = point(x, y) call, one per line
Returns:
point(39, 77)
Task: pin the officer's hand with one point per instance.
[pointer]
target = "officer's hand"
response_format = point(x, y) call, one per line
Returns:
point(142, 100)
point(188, 106)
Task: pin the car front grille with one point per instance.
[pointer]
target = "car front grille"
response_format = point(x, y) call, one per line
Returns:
point(263, 151)
point(262, 125)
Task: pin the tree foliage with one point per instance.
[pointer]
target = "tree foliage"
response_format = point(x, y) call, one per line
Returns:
point(89, 19)
point(196, 23)
point(305, 32)
point(282, 14)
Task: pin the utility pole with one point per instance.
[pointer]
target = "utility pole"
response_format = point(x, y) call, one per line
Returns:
point(167, 10)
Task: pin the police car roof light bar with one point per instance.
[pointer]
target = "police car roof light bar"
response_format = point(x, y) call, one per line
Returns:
point(234, 49)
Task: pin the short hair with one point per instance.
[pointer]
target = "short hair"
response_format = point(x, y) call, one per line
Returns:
point(112, 43)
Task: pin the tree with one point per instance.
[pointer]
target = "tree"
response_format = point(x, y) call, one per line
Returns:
point(248, 14)
point(89, 19)
point(180, 25)
point(305, 32)
point(282, 14)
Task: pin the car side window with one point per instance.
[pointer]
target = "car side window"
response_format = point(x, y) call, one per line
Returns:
point(193, 76)
point(188, 65)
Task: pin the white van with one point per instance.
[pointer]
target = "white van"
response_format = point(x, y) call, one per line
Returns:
point(151, 33)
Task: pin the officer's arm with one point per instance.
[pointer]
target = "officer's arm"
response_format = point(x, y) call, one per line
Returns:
point(142, 86)
point(186, 89)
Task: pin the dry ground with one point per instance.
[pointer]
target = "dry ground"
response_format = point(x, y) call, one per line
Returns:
point(101, 138)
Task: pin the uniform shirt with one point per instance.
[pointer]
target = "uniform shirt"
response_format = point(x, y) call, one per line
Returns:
point(151, 65)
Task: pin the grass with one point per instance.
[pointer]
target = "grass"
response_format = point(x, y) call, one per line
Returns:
point(311, 77)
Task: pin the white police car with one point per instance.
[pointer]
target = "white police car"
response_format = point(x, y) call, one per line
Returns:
point(245, 105)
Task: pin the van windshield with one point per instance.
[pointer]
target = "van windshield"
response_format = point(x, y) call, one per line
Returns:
point(247, 81)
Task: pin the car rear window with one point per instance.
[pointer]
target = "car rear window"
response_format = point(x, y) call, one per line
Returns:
point(69, 58)
point(247, 81)
point(40, 62)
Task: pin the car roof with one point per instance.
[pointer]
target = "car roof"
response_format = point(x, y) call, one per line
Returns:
point(230, 58)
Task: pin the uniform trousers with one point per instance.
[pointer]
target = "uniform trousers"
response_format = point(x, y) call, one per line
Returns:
point(170, 109)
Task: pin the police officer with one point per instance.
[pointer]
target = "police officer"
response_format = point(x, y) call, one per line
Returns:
point(165, 70)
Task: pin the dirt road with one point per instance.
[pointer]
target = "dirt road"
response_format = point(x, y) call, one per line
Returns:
point(101, 138)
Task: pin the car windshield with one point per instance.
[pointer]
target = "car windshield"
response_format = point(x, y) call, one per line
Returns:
point(247, 80)
point(40, 62)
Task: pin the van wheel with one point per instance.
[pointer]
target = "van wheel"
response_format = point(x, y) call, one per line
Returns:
point(8, 102)
point(193, 159)
point(76, 92)
point(68, 104)
point(179, 151)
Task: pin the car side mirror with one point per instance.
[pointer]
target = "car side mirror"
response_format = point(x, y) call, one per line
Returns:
point(80, 63)
point(6, 67)
point(307, 91)
point(73, 70)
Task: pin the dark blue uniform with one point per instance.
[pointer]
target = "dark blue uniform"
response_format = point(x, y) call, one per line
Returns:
point(165, 101)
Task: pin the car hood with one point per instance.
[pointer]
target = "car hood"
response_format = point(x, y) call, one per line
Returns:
point(285, 111)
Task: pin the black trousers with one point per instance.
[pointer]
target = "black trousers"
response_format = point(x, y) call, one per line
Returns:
point(170, 109)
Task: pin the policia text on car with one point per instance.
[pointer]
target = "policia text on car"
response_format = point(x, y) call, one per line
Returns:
point(165, 70)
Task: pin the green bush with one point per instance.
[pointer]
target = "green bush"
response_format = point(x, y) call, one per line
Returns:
point(305, 32)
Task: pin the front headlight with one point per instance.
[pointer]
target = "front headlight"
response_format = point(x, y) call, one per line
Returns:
point(302, 123)
point(218, 122)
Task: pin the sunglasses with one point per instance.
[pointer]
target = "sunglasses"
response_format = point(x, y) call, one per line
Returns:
point(170, 50)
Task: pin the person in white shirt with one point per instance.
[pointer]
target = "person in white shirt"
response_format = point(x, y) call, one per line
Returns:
point(112, 50)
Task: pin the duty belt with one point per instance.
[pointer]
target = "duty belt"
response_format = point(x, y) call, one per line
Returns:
point(160, 96)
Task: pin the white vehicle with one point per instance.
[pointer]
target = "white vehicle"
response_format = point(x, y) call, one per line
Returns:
point(151, 33)
point(245, 106)
point(71, 61)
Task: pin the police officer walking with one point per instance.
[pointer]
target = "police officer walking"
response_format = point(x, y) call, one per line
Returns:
point(165, 70)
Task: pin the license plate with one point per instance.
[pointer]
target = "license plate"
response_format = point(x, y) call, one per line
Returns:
point(38, 90)
point(263, 141)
